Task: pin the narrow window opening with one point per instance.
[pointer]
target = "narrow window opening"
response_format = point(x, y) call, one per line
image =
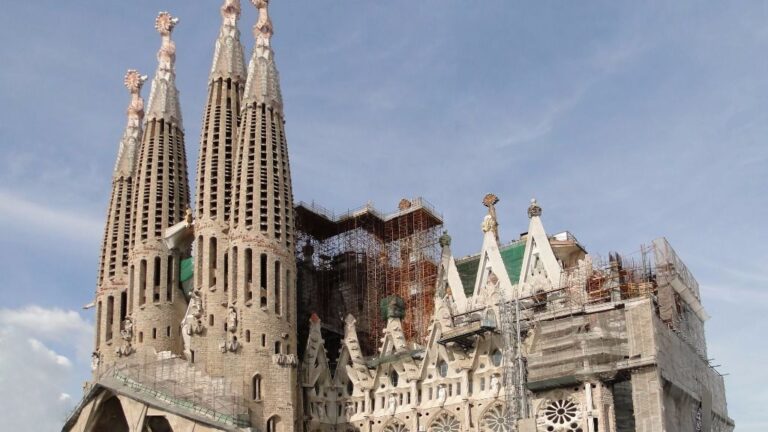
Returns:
point(248, 274)
point(110, 316)
point(156, 280)
point(212, 254)
point(278, 288)
point(154, 333)
point(143, 282)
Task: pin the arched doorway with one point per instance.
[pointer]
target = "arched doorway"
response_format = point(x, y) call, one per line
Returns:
point(110, 417)
point(157, 424)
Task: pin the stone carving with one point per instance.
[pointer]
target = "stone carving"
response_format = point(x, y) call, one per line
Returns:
point(134, 81)
point(193, 324)
point(392, 404)
point(442, 395)
point(125, 350)
point(288, 360)
point(534, 210)
point(493, 420)
point(445, 239)
point(395, 427)
point(445, 423)
point(95, 360)
point(165, 23)
point(490, 222)
point(127, 332)
point(392, 307)
point(232, 319)
point(263, 29)
point(495, 385)
point(231, 345)
point(230, 12)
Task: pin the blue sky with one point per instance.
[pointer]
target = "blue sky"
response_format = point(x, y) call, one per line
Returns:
point(627, 120)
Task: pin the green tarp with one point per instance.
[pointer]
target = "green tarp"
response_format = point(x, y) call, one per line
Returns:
point(511, 255)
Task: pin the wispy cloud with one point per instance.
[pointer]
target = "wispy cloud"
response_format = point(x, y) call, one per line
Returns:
point(24, 214)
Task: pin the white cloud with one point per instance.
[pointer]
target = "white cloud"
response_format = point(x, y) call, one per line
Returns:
point(65, 327)
point(20, 212)
point(36, 381)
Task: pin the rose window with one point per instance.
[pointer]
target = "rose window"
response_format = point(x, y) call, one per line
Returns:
point(494, 421)
point(561, 415)
point(445, 423)
point(395, 427)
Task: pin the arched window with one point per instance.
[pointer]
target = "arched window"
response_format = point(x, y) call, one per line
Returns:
point(256, 387)
point(393, 378)
point(273, 423)
point(496, 358)
point(442, 368)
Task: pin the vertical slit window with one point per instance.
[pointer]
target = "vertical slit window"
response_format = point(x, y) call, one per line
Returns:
point(156, 280)
point(169, 273)
point(278, 288)
point(226, 271)
point(143, 282)
point(212, 252)
point(248, 274)
point(131, 280)
point(98, 325)
point(234, 272)
point(110, 316)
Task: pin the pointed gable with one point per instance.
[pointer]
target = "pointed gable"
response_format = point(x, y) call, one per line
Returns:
point(539, 258)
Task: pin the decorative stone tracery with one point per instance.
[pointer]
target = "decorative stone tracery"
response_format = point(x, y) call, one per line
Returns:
point(395, 427)
point(445, 423)
point(493, 420)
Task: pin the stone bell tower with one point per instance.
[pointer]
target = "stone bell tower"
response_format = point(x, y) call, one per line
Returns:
point(260, 343)
point(215, 167)
point(161, 198)
point(112, 301)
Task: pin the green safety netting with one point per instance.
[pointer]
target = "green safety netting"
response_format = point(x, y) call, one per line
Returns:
point(511, 255)
point(186, 271)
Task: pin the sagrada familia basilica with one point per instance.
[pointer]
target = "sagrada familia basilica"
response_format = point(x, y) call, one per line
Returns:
point(248, 311)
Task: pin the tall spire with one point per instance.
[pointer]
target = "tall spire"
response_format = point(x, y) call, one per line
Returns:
point(126, 156)
point(228, 59)
point(263, 78)
point(164, 97)
point(215, 164)
point(115, 247)
point(161, 199)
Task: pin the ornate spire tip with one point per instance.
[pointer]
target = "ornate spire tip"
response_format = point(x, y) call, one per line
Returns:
point(534, 209)
point(165, 23)
point(231, 9)
point(134, 81)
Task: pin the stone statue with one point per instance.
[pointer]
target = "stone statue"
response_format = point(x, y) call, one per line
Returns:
point(442, 395)
point(127, 332)
point(232, 319)
point(392, 307)
point(495, 385)
point(392, 405)
point(95, 360)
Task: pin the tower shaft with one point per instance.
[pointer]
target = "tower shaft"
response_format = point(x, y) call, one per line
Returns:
point(214, 183)
point(112, 305)
point(161, 200)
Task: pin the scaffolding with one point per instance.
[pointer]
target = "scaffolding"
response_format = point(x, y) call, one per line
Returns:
point(349, 263)
point(578, 318)
point(176, 382)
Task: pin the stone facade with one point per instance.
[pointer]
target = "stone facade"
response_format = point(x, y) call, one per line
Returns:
point(531, 336)
point(593, 359)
